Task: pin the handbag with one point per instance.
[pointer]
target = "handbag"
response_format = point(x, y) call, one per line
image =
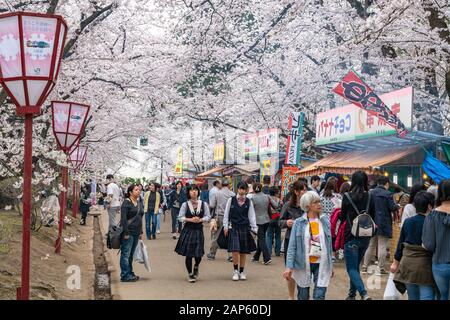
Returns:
point(222, 240)
point(116, 234)
point(363, 225)
point(315, 250)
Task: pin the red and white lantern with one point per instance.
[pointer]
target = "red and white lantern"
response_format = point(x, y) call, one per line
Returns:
point(77, 156)
point(68, 120)
point(31, 49)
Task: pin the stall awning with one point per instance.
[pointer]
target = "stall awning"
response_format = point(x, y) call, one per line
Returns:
point(349, 162)
point(214, 172)
point(248, 169)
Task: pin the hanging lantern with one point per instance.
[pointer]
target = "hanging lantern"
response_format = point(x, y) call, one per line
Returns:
point(77, 156)
point(68, 122)
point(31, 49)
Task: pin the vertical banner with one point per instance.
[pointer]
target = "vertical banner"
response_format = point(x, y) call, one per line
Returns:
point(268, 153)
point(294, 143)
point(179, 165)
point(287, 177)
point(268, 167)
point(360, 94)
point(219, 152)
point(250, 147)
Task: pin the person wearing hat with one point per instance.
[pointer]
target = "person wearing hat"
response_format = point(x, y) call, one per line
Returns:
point(218, 203)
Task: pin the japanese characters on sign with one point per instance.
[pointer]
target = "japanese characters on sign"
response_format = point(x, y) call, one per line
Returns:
point(250, 145)
point(294, 143)
point(359, 93)
point(179, 165)
point(268, 141)
point(268, 166)
point(353, 123)
point(219, 151)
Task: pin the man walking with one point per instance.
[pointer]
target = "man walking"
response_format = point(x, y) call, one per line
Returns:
point(315, 184)
point(213, 195)
point(218, 202)
point(113, 200)
point(384, 206)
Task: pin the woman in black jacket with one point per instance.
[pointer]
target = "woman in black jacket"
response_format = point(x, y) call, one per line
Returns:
point(131, 214)
point(176, 199)
point(291, 211)
point(85, 204)
point(355, 247)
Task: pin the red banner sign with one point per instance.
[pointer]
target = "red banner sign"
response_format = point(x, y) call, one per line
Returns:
point(357, 92)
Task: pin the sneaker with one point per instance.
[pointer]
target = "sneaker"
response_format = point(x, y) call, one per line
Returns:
point(235, 275)
point(254, 260)
point(230, 259)
point(191, 278)
point(158, 231)
point(154, 237)
point(366, 297)
point(350, 298)
point(364, 269)
point(333, 259)
point(268, 262)
point(242, 276)
point(210, 256)
point(174, 236)
point(196, 272)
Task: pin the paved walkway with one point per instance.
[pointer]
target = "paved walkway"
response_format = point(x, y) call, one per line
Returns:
point(168, 276)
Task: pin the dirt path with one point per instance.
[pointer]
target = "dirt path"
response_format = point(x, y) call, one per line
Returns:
point(168, 278)
point(52, 276)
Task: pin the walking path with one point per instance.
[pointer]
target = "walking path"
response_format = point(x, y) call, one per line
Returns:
point(168, 277)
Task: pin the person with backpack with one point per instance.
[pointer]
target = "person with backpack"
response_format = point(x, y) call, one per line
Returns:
point(289, 213)
point(310, 250)
point(262, 203)
point(274, 231)
point(385, 208)
point(191, 244)
point(131, 214)
point(239, 221)
point(357, 210)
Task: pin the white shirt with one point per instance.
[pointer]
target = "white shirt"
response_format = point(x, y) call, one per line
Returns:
point(408, 211)
point(114, 190)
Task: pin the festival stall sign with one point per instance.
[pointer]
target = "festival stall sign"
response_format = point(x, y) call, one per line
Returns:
point(268, 167)
point(287, 177)
point(219, 152)
point(268, 142)
point(355, 90)
point(294, 143)
point(250, 145)
point(179, 165)
point(350, 122)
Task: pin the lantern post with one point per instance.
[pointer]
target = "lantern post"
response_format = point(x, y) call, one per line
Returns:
point(68, 119)
point(77, 156)
point(31, 49)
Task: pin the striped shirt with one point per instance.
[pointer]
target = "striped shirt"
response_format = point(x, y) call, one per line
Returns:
point(436, 236)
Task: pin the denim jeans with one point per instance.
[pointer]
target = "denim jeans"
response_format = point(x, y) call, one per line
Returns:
point(417, 292)
point(127, 248)
point(318, 293)
point(354, 251)
point(274, 230)
point(441, 274)
point(176, 225)
point(150, 220)
point(158, 221)
point(262, 245)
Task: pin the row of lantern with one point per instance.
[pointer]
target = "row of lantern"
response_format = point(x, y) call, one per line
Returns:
point(31, 50)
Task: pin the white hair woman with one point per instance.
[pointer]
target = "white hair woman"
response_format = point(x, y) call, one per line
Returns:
point(309, 251)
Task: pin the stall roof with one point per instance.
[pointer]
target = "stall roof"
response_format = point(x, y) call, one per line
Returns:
point(351, 161)
point(391, 141)
point(213, 172)
point(248, 169)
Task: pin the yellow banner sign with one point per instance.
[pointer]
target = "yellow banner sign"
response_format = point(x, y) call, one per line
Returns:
point(219, 151)
point(179, 164)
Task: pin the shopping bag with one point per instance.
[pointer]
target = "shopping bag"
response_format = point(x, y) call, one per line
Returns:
point(138, 253)
point(391, 292)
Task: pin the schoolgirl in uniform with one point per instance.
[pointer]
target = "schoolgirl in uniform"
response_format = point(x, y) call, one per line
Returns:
point(238, 222)
point(191, 242)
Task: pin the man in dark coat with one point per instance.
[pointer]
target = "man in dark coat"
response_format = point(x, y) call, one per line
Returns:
point(384, 207)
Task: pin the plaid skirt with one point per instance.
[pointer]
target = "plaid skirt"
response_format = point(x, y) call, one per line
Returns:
point(240, 240)
point(191, 243)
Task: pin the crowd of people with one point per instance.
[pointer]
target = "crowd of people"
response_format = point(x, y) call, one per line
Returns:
point(323, 222)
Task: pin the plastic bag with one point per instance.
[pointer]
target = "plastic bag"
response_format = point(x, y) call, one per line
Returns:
point(391, 292)
point(141, 255)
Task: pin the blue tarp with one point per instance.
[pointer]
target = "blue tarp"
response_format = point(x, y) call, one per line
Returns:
point(435, 169)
